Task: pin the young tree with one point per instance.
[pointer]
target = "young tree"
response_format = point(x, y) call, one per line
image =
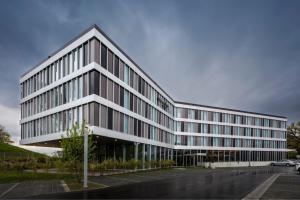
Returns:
point(293, 136)
point(4, 136)
point(73, 149)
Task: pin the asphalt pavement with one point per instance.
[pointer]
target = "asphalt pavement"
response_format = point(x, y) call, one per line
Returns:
point(233, 183)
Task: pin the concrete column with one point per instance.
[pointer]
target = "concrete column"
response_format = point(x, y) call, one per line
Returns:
point(143, 156)
point(182, 157)
point(150, 152)
point(136, 149)
point(105, 151)
point(124, 152)
point(176, 157)
point(159, 156)
point(249, 156)
point(114, 150)
point(155, 153)
point(234, 156)
point(159, 153)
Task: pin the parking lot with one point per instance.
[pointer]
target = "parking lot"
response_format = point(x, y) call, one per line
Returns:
point(186, 183)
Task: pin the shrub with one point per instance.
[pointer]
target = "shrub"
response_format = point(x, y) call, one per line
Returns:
point(31, 164)
point(147, 164)
point(93, 166)
point(109, 164)
point(41, 160)
point(167, 163)
point(132, 164)
point(60, 166)
point(154, 164)
point(121, 164)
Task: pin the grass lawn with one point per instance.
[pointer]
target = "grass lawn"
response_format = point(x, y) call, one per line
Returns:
point(75, 186)
point(19, 176)
point(10, 152)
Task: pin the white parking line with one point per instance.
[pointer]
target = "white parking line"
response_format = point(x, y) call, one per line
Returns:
point(258, 192)
point(123, 179)
point(142, 176)
point(65, 186)
point(7, 191)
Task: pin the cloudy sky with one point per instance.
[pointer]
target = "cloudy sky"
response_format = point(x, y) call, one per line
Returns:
point(236, 54)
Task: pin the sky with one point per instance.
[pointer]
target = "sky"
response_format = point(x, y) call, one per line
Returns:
point(236, 54)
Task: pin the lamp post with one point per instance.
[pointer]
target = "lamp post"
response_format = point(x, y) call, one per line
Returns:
point(85, 160)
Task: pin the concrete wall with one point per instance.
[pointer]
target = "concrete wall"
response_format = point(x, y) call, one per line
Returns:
point(235, 164)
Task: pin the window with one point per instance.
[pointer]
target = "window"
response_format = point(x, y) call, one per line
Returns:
point(94, 82)
point(216, 117)
point(94, 114)
point(126, 124)
point(103, 116)
point(80, 89)
point(131, 101)
point(116, 93)
point(126, 74)
point(75, 60)
point(85, 84)
point(121, 96)
point(85, 54)
point(121, 70)
point(126, 99)
point(131, 78)
point(109, 118)
point(69, 90)
point(116, 66)
point(121, 126)
point(80, 57)
point(116, 121)
point(109, 89)
point(70, 63)
point(75, 88)
point(86, 113)
point(204, 115)
point(56, 74)
point(110, 61)
point(103, 86)
point(96, 53)
point(80, 115)
point(103, 56)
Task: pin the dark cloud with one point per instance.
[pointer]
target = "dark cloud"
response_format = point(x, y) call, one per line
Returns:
point(236, 54)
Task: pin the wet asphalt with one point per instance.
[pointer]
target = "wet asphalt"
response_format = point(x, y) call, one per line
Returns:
point(192, 183)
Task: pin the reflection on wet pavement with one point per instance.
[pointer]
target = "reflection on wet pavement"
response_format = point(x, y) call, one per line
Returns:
point(189, 183)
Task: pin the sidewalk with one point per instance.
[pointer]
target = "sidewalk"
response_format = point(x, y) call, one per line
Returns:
point(91, 173)
point(286, 186)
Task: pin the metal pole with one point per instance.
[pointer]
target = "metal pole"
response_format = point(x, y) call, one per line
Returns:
point(85, 161)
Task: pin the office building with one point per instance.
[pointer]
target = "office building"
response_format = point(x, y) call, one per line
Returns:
point(131, 116)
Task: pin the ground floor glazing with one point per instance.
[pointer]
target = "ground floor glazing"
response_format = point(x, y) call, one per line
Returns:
point(107, 148)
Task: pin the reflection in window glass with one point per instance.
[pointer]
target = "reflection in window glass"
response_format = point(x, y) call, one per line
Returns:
point(103, 56)
point(103, 86)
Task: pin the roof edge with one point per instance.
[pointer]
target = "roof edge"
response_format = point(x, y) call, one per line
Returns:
point(229, 109)
point(61, 48)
